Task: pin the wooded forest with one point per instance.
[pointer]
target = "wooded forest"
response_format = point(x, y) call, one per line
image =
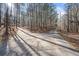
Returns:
point(35, 24)
point(40, 17)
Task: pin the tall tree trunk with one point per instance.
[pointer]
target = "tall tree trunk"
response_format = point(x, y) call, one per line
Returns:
point(68, 21)
point(0, 15)
point(7, 21)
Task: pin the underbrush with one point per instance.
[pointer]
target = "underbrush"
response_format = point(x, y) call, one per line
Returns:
point(72, 41)
point(0, 38)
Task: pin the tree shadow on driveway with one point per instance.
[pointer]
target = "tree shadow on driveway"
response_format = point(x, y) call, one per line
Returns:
point(3, 45)
point(23, 48)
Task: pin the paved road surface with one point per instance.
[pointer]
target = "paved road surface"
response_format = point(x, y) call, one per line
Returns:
point(45, 44)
